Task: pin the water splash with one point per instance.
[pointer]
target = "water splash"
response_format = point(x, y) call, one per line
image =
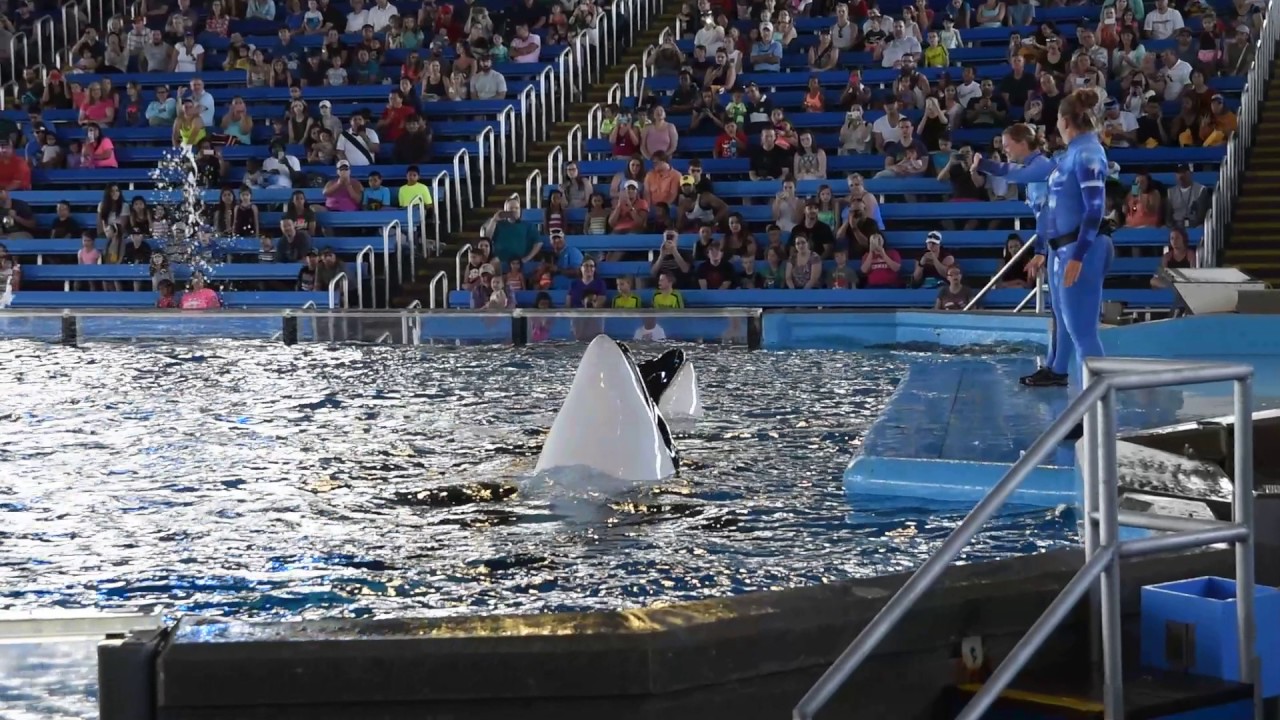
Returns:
point(191, 239)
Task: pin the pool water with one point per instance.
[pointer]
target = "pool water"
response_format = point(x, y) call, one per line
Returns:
point(257, 480)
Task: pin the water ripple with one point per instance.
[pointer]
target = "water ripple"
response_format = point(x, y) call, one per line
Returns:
point(257, 480)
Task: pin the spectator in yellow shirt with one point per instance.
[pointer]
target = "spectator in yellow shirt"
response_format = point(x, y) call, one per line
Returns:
point(625, 299)
point(414, 189)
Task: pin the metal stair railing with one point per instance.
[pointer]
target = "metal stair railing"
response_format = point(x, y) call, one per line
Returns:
point(1036, 292)
point(1222, 208)
point(1096, 407)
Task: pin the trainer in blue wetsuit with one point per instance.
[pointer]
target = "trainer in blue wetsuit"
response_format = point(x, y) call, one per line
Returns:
point(1031, 168)
point(1078, 254)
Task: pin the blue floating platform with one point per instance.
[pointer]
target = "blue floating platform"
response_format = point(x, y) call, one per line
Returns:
point(955, 425)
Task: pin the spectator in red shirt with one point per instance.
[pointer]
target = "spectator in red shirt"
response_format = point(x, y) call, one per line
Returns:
point(391, 126)
point(880, 265)
point(15, 173)
point(732, 143)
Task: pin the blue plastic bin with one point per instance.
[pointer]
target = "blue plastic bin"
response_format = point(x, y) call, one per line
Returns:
point(1208, 605)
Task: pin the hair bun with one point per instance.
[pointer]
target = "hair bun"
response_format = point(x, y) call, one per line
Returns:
point(1088, 97)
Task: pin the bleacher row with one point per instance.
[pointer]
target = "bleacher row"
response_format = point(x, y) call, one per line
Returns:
point(986, 51)
point(470, 137)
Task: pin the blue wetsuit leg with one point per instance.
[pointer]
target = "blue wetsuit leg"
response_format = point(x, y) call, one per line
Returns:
point(1062, 351)
point(1082, 302)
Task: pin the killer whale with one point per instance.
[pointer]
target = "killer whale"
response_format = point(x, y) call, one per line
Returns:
point(610, 421)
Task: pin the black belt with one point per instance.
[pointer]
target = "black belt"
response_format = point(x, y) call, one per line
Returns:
point(1063, 240)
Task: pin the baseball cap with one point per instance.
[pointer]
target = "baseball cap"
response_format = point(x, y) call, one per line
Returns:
point(1217, 98)
point(325, 104)
point(557, 232)
point(1111, 103)
point(933, 237)
point(1182, 167)
point(631, 184)
point(344, 165)
point(688, 180)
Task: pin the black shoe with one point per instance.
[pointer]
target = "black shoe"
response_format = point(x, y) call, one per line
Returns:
point(1044, 377)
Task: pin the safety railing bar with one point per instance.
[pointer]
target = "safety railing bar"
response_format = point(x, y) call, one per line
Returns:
point(438, 278)
point(929, 573)
point(1082, 407)
point(373, 275)
point(1040, 630)
point(1031, 295)
point(1026, 247)
point(457, 263)
point(1184, 540)
point(340, 277)
point(414, 304)
point(1166, 523)
point(386, 258)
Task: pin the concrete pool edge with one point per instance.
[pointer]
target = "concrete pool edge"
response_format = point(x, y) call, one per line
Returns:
point(212, 663)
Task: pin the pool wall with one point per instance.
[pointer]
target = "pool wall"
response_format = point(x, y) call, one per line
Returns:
point(748, 656)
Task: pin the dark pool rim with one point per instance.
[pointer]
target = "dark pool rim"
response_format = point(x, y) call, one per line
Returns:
point(224, 664)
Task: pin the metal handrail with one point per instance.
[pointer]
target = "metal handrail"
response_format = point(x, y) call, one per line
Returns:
point(462, 159)
point(631, 81)
point(416, 233)
point(373, 275)
point(386, 258)
point(13, 54)
point(507, 129)
point(493, 146)
point(1096, 408)
point(43, 27)
point(533, 189)
point(546, 97)
point(440, 188)
point(1026, 247)
point(1227, 189)
point(438, 278)
point(594, 116)
point(555, 166)
point(346, 289)
point(457, 263)
point(528, 123)
point(573, 143)
point(1036, 293)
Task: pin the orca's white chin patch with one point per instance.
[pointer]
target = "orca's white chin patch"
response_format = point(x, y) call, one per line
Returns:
point(680, 401)
point(607, 422)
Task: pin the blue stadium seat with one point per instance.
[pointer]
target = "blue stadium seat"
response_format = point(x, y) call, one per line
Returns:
point(923, 298)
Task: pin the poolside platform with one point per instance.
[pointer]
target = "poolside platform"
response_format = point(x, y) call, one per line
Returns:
point(956, 424)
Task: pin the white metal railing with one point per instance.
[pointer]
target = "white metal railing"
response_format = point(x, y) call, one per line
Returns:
point(44, 35)
point(631, 81)
point(462, 159)
point(393, 226)
point(555, 166)
point(1096, 407)
point(995, 279)
point(1222, 207)
point(458, 259)
point(417, 233)
point(366, 251)
point(441, 187)
point(528, 120)
point(533, 190)
point(1036, 293)
point(507, 129)
point(70, 27)
point(18, 40)
point(574, 146)
point(491, 176)
point(410, 323)
point(439, 279)
point(340, 278)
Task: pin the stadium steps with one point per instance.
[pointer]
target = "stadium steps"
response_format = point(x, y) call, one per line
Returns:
point(576, 113)
point(1254, 237)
